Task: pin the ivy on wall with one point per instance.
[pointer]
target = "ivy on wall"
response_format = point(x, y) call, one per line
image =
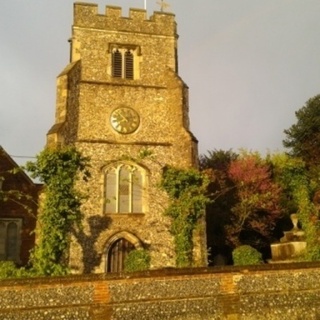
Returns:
point(60, 209)
point(186, 189)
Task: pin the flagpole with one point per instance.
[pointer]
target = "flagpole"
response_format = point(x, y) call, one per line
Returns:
point(145, 4)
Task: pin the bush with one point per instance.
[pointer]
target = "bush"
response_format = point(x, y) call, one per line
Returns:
point(7, 269)
point(246, 255)
point(137, 260)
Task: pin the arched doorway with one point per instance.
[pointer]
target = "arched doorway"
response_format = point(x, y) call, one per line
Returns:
point(117, 254)
point(117, 249)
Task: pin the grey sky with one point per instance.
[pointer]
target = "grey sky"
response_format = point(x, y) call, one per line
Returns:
point(249, 64)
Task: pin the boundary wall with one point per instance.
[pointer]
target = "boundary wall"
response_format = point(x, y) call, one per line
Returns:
point(287, 291)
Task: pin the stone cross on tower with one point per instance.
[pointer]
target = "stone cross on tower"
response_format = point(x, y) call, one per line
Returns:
point(163, 5)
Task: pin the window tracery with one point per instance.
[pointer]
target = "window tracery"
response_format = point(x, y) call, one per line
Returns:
point(124, 189)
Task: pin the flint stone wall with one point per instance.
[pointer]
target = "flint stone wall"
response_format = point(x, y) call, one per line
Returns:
point(253, 293)
point(87, 95)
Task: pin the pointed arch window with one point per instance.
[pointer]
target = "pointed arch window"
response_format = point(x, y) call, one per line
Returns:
point(124, 189)
point(10, 239)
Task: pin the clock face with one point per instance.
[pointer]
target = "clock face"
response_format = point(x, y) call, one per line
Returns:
point(125, 120)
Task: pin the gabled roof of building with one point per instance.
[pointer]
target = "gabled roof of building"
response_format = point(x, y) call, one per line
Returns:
point(7, 163)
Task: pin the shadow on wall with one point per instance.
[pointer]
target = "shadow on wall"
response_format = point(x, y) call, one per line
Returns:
point(91, 258)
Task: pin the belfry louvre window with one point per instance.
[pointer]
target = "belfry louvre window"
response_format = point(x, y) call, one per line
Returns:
point(123, 63)
point(124, 189)
point(10, 239)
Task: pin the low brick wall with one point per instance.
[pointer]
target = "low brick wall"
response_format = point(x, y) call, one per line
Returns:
point(253, 293)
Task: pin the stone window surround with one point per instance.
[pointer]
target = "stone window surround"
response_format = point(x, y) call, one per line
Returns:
point(116, 165)
point(137, 58)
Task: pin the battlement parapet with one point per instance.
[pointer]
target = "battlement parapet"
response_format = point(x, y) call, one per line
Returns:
point(160, 23)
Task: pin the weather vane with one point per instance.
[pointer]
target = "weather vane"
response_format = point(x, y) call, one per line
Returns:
point(163, 5)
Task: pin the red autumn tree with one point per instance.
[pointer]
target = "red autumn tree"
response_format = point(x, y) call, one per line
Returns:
point(257, 210)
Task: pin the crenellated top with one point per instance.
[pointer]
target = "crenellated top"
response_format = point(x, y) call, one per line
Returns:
point(160, 23)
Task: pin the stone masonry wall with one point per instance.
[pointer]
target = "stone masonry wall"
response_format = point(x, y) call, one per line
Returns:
point(88, 94)
point(86, 15)
point(273, 292)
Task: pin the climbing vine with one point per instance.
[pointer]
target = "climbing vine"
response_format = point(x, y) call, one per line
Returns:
point(60, 209)
point(186, 189)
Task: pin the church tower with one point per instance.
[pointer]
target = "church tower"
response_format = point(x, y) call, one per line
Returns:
point(121, 102)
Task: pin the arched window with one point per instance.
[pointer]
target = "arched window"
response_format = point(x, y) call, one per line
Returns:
point(117, 254)
point(124, 189)
point(10, 239)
